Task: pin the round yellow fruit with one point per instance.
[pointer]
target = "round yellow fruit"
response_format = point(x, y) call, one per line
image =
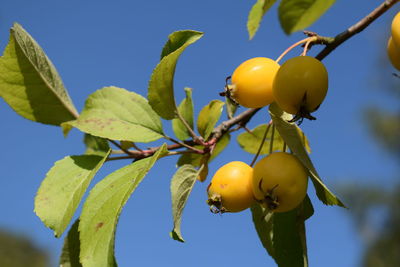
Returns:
point(252, 82)
point(393, 53)
point(396, 30)
point(280, 181)
point(230, 189)
point(300, 86)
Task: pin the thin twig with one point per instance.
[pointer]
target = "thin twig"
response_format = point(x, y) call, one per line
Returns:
point(271, 143)
point(330, 45)
point(261, 145)
point(196, 138)
point(356, 28)
point(183, 144)
point(120, 147)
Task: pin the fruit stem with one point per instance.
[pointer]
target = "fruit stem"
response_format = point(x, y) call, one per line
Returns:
point(310, 40)
point(305, 40)
point(195, 150)
point(271, 143)
point(261, 144)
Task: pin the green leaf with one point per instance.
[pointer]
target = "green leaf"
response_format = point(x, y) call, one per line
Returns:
point(296, 15)
point(263, 224)
point(287, 239)
point(256, 14)
point(30, 84)
point(181, 186)
point(291, 135)
point(196, 159)
point(231, 107)
point(250, 141)
point(283, 234)
point(63, 188)
point(161, 84)
point(185, 108)
point(102, 208)
point(307, 208)
point(208, 117)
point(95, 145)
point(118, 114)
point(70, 251)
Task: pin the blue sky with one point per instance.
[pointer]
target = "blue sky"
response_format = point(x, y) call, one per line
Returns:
point(100, 43)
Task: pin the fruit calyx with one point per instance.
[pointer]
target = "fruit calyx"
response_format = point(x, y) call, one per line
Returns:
point(270, 199)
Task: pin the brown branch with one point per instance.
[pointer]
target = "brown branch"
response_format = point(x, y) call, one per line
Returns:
point(241, 119)
point(356, 28)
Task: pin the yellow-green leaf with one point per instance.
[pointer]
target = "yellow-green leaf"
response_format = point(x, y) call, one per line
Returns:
point(290, 134)
point(181, 186)
point(208, 117)
point(102, 208)
point(62, 190)
point(118, 114)
point(185, 108)
point(30, 83)
point(256, 14)
point(161, 85)
point(296, 15)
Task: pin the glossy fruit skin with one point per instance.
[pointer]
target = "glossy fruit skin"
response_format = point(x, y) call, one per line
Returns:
point(252, 82)
point(232, 184)
point(396, 30)
point(393, 53)
point(280, 177)
point(300, 85)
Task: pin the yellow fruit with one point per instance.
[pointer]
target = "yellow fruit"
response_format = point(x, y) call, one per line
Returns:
point(230, 189)
point(396, 30)
point(393, 53)
point(300, 86)
point(280, 181)
point(252, 82)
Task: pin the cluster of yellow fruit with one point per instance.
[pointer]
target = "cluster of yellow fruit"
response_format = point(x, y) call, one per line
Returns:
point(278, 182)
point(298, 86)
point(393, 47)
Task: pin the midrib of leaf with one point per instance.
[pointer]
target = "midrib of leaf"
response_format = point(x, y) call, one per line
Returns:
point(128, 122)
point(128, 190)
point(62, 101)
point(123, 108)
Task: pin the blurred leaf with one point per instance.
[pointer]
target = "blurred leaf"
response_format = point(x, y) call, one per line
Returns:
point(296, 15)
point(291, 135)
point(256, 14)
point(63, 188)
point(161, 84)
point(70, 251)
point(95, 145)
point(231, 107)
point(102, 208)
point(118, 114)
point(30, 84)
point(195, 159)
point(208, 117)
point(385, 126)
point(181, 186)
point(185, 108)
point(126, 144)
point(16, 250)
point(264, 227)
